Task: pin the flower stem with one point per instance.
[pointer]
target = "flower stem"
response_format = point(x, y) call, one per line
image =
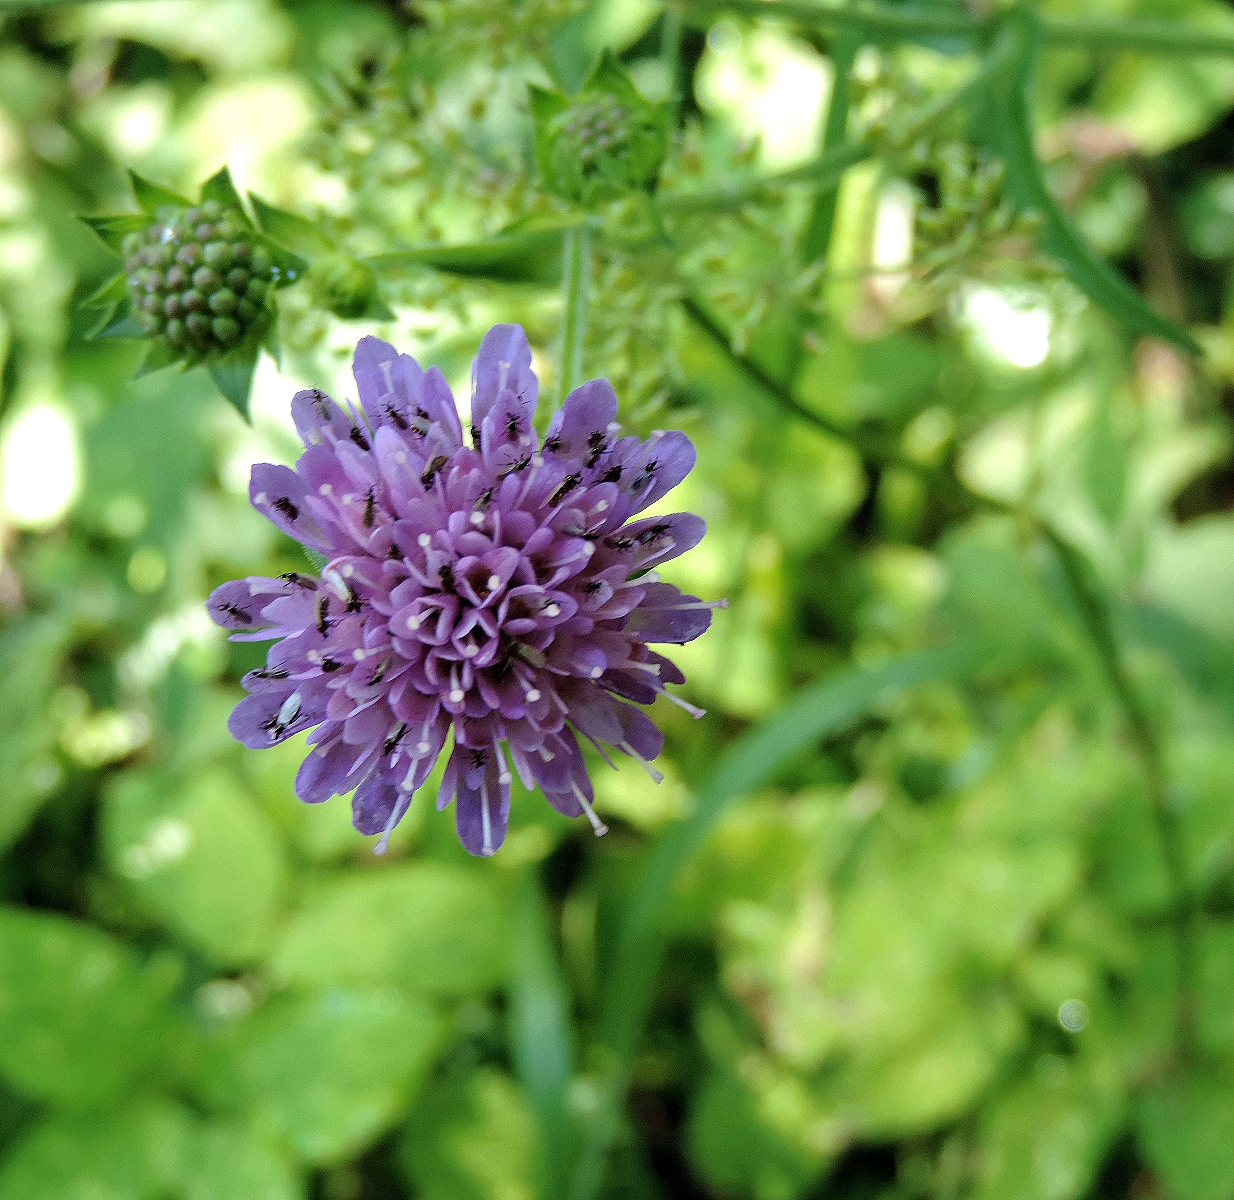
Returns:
point(575, 280)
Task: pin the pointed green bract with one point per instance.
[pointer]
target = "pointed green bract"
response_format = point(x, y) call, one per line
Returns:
point(114, 230)
point(290, 230)
point(220, 189)
point(233, 376)
point(519, 255)
point(151, 196)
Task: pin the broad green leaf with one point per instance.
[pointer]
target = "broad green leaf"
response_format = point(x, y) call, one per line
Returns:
point(471, 1138)
point(520, 256)
point(233, 1163)
point(540, 1036)
point(1047, 1137)
point(219, 187)
point(426, 927)
point(327, 1072)
point(141, 1152)
point(152, 196)
point(1011, 127)
point(199, 857)
point(295, 232)
point(82, 1022)
point(1105, 465)
point(233, 376)
point(1185, 1128)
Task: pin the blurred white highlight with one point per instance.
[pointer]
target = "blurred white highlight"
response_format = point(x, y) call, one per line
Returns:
point(40, 466)
point(1016, 332)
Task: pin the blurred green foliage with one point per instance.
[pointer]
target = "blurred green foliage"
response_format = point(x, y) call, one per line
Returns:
point(937, 901)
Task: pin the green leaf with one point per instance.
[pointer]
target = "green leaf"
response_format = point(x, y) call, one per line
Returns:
point(546, 104)
point(1046, 1138)
point(1011, 128)
point(220, 187)
point(1105, 465)
point(328, 1072)
point(540, 1033)
point(232, 1163)
point(288, 267)
point(233, 376)
point(427, 927)
point(471, 1139)
point(295, 232)
point(201, 859)
point(151, 196)
point(1215, 990)
point(110, 294)
point(138, 1153)
point(1185, 1129)
point(524, 256)
point(113, 230)
point(81, 1021)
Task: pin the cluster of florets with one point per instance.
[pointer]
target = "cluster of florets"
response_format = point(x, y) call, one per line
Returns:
point(496, 593)
point(596, 127)
point(195, 278)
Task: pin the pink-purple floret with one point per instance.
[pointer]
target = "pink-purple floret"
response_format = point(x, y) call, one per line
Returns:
point(498, 588)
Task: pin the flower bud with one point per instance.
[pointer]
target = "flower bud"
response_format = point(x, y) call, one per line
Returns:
point(342, 285)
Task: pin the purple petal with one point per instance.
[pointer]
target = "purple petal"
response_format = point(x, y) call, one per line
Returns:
point(378, 806)
point(664, 461)
point(266, 718)
point(279, 494)
point(668, 615)
point(482, 806)
point(584, 422)
point(318, 418)
point(332, 769)
point(503, 362)
point(233, 606)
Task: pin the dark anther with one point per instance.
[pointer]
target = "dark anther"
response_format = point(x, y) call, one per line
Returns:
point(354, 601)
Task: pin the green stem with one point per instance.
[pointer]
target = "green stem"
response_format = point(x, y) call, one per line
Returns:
point(670, 58)
point(816, 239)
point(878, 23)
point(575, 281)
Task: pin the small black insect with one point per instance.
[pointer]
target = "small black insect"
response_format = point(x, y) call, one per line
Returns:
point(322, 403)
point(393, 740)
point(597, 443)
point(394, 552)
point(323, 614)
point(514, 426)
point(484, 499)
point(567, 485)
point(380, 673)
point(612, 475)
point(431, 471)
point(446, 574)
point(300, 581)
point(652, 532)
point(270, 673)
point(357, 435)
point(237, 613)
point(619, 543)
point(370, 508)
point(643, 478)
point(553, 444)
point(513, 468)
point(420, 426)
point(354, 600)
point(396, 416)
point(477, 759)
point(591, 587)
point(475, 437)
point(328, 665)
point(285, 506)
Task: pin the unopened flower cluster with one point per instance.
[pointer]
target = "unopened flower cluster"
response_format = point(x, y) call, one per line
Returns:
point(495, 590)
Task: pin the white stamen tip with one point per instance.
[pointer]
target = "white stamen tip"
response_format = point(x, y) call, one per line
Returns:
point(290, 709)
point(601, 505)
point(533, 694)
point(589, 549)
point(400, 457)
point(596, 672)
point(423, 747)
point(349, 570)
point(505, 777)
point(415, 622)
point(358, 655)
point(552, 610)
point(470, 650)
point(456, 695)
point(494, 582)
point(425, 540)
point(326, 489)
point(477, 518)
point(260, 498)
point(613, 426)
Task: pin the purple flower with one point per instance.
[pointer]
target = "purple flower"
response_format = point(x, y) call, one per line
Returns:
point(499, 591)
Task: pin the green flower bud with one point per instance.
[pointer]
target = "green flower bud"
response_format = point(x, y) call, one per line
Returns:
point(222, 302)
point(605, 142)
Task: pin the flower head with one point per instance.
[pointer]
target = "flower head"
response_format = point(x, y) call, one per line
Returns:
point(500, 589)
